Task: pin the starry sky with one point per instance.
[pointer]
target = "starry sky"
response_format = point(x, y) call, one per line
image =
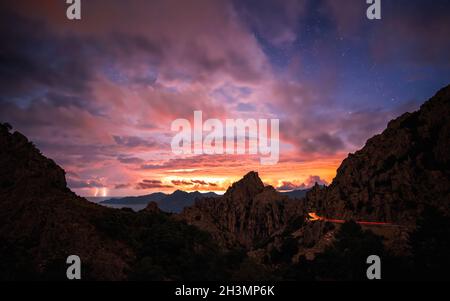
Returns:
point(98, 95)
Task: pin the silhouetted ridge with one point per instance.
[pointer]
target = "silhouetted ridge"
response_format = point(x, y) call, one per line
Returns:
point(171, 203)
point(249, 186)
point(398, 172)
point(23, 165)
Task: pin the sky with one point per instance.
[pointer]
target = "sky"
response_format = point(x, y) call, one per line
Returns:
point(98, 95)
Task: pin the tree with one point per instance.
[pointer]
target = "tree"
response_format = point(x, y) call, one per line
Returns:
point(7, 126)
point(346, 258)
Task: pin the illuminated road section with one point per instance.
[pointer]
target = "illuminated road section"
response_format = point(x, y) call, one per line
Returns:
point(312, 217)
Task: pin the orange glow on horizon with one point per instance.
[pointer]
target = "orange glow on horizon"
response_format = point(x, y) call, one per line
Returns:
point(206, 178)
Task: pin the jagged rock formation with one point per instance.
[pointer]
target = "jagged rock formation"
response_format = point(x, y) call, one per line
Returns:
point(397, 173)
point(246, 215)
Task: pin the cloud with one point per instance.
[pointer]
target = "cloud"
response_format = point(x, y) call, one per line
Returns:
point(276, 21)
point(129, 160)
point(197, 183)
point(324, 143)
point(201, 182)
point(200, 161)
point(73, 183)
point(312, 180)
point(288, 186)
point(134, 141)
point(347, 15)
point(181, 183)
point(308, 183)
point(99, 95)
point(122, 186)
point(150, 184)
point(412, 32)
point(245, 107)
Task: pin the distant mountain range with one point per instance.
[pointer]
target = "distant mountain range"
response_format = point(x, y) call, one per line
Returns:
point(174, 202)
point(296, 194)
point(178, 200)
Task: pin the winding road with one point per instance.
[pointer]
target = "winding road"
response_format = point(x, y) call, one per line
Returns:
point(312, 217)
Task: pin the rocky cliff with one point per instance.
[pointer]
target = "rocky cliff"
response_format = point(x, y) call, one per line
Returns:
point(42, 221)
point(397, 173)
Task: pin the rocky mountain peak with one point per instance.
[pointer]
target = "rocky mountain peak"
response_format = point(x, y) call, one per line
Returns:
point(247, 214)
point(397, 173)
point(246, 188)
point(179, 192)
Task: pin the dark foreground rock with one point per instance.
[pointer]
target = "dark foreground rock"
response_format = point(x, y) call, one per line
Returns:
point(42, 222)
point(398, 173)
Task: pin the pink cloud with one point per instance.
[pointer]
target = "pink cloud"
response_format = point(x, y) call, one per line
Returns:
point(308, 183)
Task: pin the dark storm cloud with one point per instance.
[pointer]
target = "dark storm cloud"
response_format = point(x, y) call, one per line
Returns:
point(32, 56)
point(155, 49)
point(122, 186)
point(200, 161)
point(134, 141)
point(129, 160)
point(423, 27)
point(73, 183)
point(324, 143)
point(197, 183)
point(413, 31)
point(38, 63)
point(76, 153)
point(276, 21)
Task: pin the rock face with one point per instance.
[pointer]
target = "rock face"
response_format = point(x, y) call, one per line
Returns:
point(397, 173)
point(42, 221)
point(246, 215)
